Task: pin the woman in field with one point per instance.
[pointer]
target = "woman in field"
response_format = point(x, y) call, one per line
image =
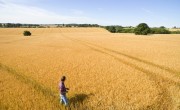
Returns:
point(63, 91)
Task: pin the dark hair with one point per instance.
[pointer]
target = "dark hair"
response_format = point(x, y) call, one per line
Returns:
point(63, 78)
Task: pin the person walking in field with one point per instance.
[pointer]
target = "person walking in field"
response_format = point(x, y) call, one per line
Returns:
point(63, 91)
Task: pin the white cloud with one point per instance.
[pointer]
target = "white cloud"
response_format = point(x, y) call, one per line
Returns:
point(18, 13)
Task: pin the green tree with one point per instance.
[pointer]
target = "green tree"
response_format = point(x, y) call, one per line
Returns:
point(119, 29)
point(27, 33)
point(160, 31)
point(162, 27)
point(142, 29)
point(111, 29)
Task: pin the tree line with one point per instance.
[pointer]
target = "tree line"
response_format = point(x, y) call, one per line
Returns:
point(141, 29)
point(18, 25)
point(78, 25)
point(119, 29)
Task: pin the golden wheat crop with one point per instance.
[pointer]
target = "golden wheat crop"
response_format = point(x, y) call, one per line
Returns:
point(104, 71)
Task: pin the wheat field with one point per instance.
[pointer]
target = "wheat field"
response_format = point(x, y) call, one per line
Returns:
point(104, 71)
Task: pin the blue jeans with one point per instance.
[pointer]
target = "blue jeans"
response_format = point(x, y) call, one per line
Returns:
point(63, 99)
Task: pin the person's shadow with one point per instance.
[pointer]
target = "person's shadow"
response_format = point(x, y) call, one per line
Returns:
point(78, 99)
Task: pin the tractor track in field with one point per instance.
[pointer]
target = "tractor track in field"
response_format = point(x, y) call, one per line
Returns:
point(164, 100)
point(129, 56)
point(109, 51)
point(19, 40)
point(47, 92)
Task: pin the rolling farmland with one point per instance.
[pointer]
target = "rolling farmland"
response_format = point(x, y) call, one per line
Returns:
point(104, 71)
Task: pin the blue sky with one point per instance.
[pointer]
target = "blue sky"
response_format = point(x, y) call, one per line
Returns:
point(104, 12)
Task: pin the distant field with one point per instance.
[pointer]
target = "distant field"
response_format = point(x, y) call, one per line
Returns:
point(174, 29)
point(104, 71)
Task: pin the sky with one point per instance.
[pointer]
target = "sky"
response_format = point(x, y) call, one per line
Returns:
point(103, 12)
